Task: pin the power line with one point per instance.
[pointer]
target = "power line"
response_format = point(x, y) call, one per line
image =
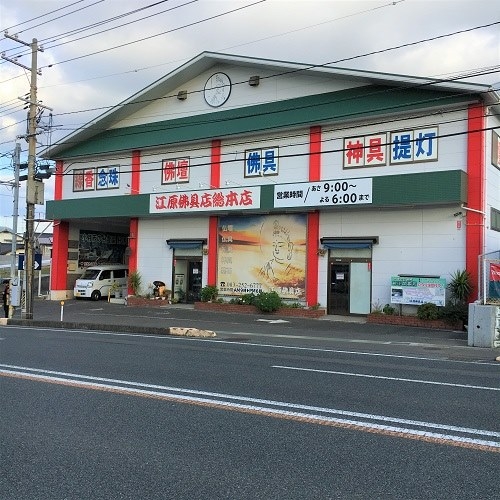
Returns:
point(281, 156)
point(280, 34)
point(267, 112)
point(43, 15)
point(100, 23)
point(326, 64)
point(157, 35)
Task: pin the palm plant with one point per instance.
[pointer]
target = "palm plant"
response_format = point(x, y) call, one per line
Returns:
point(460, 287)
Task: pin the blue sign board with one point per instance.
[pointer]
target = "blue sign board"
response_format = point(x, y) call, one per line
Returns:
point(38, 262)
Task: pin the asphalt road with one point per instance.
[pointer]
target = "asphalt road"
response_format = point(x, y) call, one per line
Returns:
point(306, 409)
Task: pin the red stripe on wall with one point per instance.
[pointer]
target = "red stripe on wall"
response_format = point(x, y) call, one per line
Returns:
point(58, 185)
point(215, 164)
point(315, 154)
point(136, 173)
point(59, 269)
point(213, 221)
point(475, 191)
point(312, 258)
point(315, 137)
point(132, 244)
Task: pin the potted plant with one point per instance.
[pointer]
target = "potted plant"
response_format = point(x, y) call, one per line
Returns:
point(209, 293)
point(134, 281)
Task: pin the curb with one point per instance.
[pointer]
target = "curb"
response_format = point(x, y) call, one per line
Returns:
point(171, 330)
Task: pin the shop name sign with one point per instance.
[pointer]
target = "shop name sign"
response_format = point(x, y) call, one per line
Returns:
point(415, 290)
point(325, 193)
point(207, 200)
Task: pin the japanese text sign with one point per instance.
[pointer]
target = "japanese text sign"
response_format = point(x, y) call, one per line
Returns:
point(262, 162)
point(108, 177)
point(324, 193)
point(402, 147)
point(88, 179)
point(175, 171)
point(202, 201)
point(417, 291)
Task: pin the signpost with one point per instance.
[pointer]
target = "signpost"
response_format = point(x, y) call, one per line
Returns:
point(38, 262)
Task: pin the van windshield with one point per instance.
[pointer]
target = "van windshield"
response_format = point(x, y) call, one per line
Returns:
point(90, 274)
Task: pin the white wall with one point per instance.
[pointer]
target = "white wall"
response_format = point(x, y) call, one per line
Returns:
point(417, 241)
point(452, 152)
point(492, 239)
point(154, 256)
point(199, 155)
point(293, 161)
point(124, 160)
point(271, 88)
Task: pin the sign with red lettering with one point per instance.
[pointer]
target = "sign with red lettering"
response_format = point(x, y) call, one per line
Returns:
point(203, 201)
point(494, 272)
point(175, 171)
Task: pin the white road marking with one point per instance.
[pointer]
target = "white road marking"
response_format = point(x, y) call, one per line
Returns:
point(367, 422)
point(381, 377)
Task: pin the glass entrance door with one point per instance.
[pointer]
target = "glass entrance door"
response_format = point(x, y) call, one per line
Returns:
point(194, 280)
point(338, 301)
point(350, 286)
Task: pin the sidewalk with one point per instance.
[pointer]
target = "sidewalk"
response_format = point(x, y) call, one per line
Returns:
point(104, 316)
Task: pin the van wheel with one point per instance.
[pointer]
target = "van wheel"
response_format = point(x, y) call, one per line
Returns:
point(96, 295)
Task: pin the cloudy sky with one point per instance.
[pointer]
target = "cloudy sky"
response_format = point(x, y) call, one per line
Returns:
point(99, 52)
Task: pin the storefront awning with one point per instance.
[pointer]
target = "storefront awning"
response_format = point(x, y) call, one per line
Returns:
point(349, 242)
point(185, 244)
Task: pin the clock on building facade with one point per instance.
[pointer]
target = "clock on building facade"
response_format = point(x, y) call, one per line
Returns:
point(217, 89)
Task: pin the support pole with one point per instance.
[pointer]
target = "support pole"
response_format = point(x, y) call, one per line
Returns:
point(29, 242)
point(15, 213)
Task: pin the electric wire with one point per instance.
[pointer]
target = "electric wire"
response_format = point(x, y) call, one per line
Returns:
point(312, 66)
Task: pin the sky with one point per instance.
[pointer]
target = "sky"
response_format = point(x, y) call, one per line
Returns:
point(97, 53)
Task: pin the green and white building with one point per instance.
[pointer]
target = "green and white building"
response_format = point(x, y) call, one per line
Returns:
point(324, 184)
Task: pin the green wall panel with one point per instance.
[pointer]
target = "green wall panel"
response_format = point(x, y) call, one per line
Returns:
point(99, 207)
point(420, 189)
point(344, 105)
point(426, 188)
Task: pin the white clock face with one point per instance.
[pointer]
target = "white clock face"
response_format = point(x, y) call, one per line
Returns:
point(217, 89)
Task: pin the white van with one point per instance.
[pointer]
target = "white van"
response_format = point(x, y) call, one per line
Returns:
point(96, 281)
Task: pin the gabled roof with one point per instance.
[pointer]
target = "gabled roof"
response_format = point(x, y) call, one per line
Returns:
point(206, 60)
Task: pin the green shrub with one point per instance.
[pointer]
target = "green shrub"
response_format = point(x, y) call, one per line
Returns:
point(455, 312)
point(248, 298)
point(376, 308)
point(428, 311)
point(460, 287)
point(267, 301)
point(389, 310)
point(134, 281)
point(209, 293)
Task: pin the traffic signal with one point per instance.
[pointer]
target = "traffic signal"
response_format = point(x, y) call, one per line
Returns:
point(43, 171)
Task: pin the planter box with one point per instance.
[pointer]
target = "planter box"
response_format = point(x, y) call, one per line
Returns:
point(438, 324)
point(134, 301)
point(116, 300)
point(246, 309)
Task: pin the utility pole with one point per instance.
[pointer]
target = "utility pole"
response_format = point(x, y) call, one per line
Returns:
point(15, 213)
point(31, 186)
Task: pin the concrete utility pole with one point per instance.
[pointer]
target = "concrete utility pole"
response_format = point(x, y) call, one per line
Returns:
point(15, 213)
point(31, 185)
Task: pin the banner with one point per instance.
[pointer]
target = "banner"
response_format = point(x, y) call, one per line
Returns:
point(262, 254)
point(494, 289)
point(416, 291)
